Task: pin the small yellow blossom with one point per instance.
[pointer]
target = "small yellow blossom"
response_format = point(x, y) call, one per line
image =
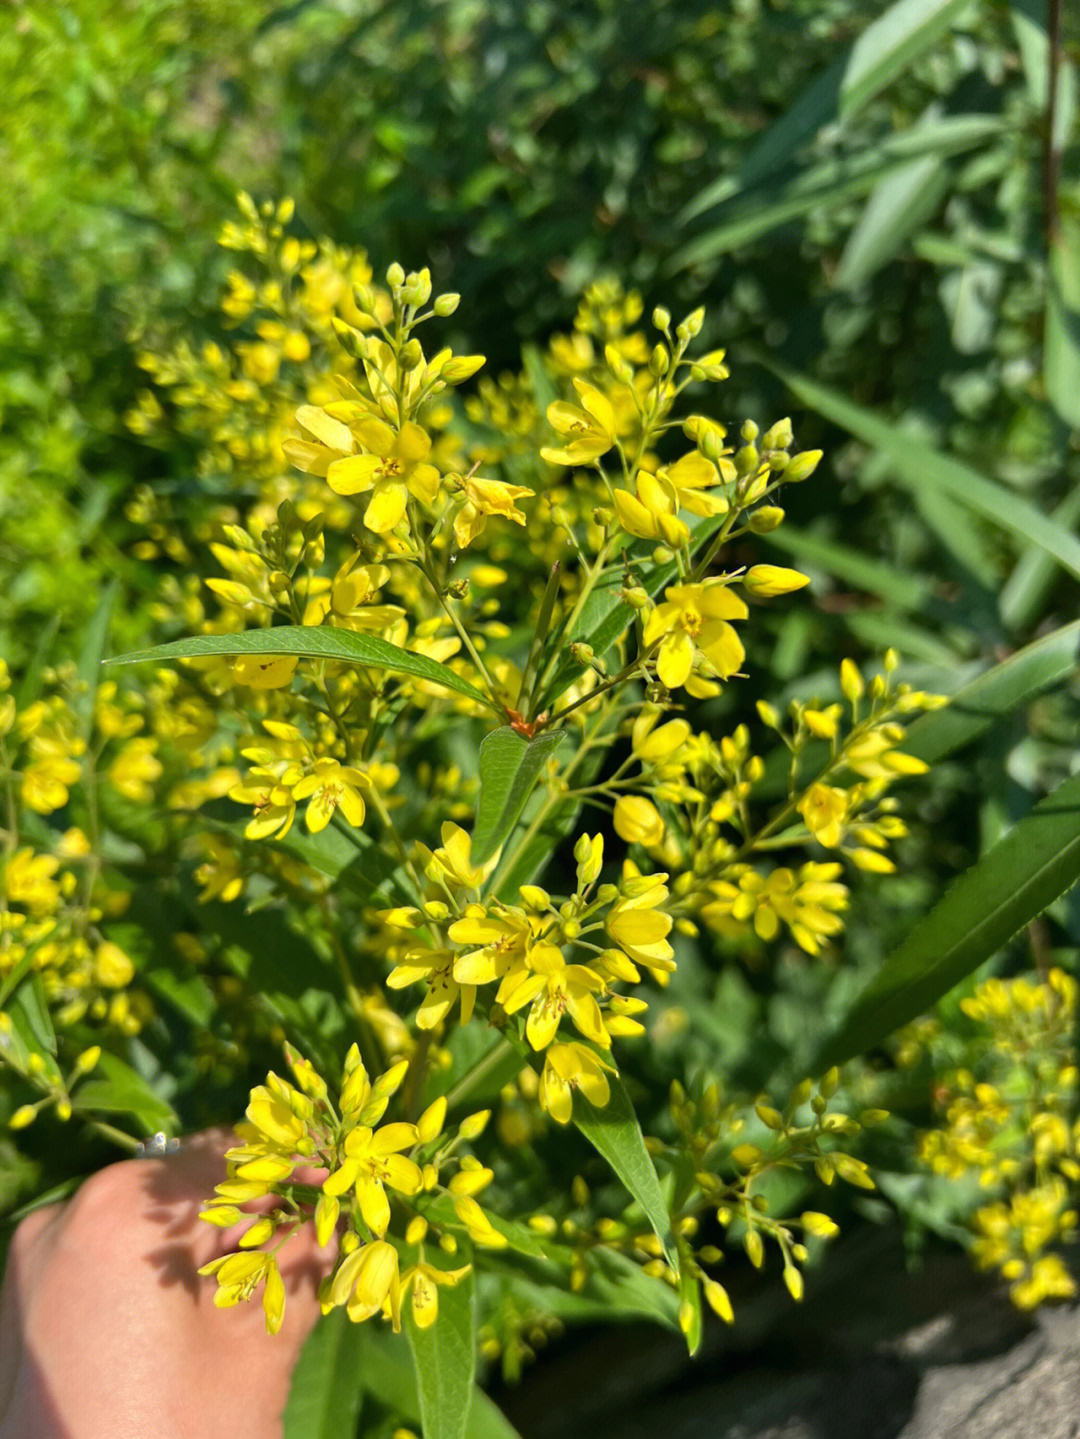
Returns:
point(393, 466)
point(331, 786)
point(484, 498)
point(590, 430)
point(637, 820)
point(694, 618)
point(568, 1067)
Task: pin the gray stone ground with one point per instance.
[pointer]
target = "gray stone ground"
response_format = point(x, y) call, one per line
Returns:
point(874, 1352)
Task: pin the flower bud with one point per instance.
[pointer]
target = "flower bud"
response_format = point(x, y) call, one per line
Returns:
point(446, 304)
point(747, 460)
point(802, 466)
point(461, 368)
point(695, 320)
point(473, 1125)
point(411, 355)
point(417, 290)
point(778, 436)
point(661, 318)
point(637, 820)
point(620, 367)
point(765, 581)
point(659, 360)
point(395, 276)
point(766, 519)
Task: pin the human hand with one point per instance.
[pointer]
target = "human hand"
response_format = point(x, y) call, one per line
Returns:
point(107, 1330)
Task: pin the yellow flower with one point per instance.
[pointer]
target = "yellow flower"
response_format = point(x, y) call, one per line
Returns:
point(590, 430)
point(690, 477)
point(694, 618)
point(639, 927)
point(423, 1279)
point(437, 968)
point(264, 672)
point(274, 805)
point(568, 1067)
point(328, 787)
point(637, 820)
point(135, 769)
point(219, 876)
point(555, 987)
point(807, 903)
point(45, 783)
point(239, 1275)
point(484, 498)
point(824, 809)
point(651, 513)
point(28, 880)
point(393, 467)
point(372, 1160)
point(452, 861)
point(367, 1280)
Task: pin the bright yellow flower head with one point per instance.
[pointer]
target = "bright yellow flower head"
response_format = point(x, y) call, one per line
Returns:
point(484, 498)
point(393, 467)
point(568, 1067)
point(591, 430)
point(694, 619)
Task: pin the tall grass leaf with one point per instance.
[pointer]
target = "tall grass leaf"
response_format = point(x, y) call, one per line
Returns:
point(1036, 861)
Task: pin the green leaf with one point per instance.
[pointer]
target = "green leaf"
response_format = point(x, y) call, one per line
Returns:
point(995, 694)
point(897, 207)
point(1023, 596)
point(614, 1132)
point(444, 1357)
point(1061, 343)
point(886, 48)
point(115, 1088)
point(831, 181)
point(12, 981)
point(95, 638)
point(510, 765)
point(313, 642)
point(855, 567)
point(389, 1376)
point(1038, 859)
point(615, 1288)
point(31, 1026)
point(917, 465)
point(690, 1293)
point(328, 1382)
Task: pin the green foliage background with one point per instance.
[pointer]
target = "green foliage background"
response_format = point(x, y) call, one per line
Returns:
point(879, 205)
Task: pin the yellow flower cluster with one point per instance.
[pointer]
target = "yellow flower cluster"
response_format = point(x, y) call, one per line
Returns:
point(56, 900)
point(1008, 1116)
point(337, 1166)
point(458, 945)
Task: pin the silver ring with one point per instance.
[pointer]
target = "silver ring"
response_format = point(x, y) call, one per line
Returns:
point(156, 1146)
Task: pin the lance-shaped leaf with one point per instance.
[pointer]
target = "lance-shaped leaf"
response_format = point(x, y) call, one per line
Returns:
point(919, 466)
point(886, 48)
point(1061, 345)
point(614, 1132)
point(510, 765)
point(445, 1358)
point(115, 1088)
point(1038, 859)
point(389, 1376)
point(995, 694)
point(328, 1382)
point(316, 643)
